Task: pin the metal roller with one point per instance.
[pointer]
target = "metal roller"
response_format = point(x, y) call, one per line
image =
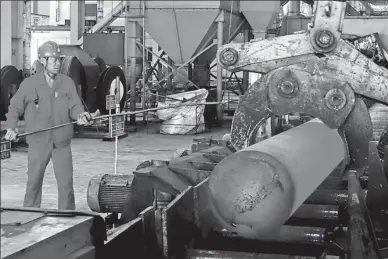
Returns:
point(292, 235)
point(108, 193)
point(73, 68)
point(107, 86)
point(205, 254)
point(10, 81)
point(330, 197)
point(320, 212)
point(255, 190)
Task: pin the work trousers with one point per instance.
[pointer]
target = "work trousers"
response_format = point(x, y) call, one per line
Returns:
point(39, 155)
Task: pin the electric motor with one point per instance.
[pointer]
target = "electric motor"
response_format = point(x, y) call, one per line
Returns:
point(108, 193)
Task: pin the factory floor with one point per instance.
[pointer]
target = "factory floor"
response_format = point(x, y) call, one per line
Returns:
point(94, 156)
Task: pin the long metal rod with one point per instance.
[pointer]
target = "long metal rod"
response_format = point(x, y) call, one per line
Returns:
point(117, 111)
point(120, 114)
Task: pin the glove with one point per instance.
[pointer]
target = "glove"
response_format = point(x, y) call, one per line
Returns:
point(84, 119)
point(11, 135)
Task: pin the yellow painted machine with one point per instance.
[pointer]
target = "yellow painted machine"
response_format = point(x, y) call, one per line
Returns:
point(318, 190)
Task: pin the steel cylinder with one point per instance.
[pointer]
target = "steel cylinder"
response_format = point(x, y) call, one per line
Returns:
point(330, 197)
point(255, 190)
point(319, 212)
point(108, 193)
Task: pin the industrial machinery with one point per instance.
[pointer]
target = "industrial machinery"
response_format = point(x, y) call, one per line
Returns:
point(318, 190)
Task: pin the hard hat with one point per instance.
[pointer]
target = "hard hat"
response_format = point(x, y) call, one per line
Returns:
point(49, 49)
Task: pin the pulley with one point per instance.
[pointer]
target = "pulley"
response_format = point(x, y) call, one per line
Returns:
point(10, 82)
point(73, 68)
point(107, 85)
point(108, 193)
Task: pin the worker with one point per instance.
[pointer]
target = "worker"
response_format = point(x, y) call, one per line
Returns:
point(48, 99)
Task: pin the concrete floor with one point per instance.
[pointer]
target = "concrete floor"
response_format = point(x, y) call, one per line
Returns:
point(92, 157)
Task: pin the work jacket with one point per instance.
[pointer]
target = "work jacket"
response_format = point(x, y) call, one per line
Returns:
point(45, 107)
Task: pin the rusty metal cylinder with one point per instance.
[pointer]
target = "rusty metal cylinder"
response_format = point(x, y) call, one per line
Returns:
point(108, 193)
point(205, 254)
point(319, 212)
point(255, 190)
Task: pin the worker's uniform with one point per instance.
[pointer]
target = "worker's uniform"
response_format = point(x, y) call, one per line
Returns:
point(44, 106)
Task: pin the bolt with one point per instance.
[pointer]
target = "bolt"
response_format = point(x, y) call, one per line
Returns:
point(287, 87)
point(229, 56)
point(335, 99)
point(324, 38)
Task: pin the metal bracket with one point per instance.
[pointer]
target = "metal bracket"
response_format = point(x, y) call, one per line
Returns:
point(327, 25)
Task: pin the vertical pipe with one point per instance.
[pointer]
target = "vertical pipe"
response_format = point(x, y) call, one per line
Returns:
point(118, 94)
point(6, 33)
point(27, 39)
point(246, 74)
point(126, 58)
point(169, 69)
point(220, 38)
point(144, 60)
point(100, 10)
point(132, 76)
point(57, 10)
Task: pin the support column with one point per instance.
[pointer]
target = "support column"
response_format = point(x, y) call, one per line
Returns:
point(245, 81)
point(6, 33)
point(77, 17)
point(134, 56)
point(100, 10)
point(169, 79)
point(27, 39)
point(220, 40)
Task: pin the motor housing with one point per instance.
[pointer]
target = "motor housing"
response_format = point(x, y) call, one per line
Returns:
point(107, 193)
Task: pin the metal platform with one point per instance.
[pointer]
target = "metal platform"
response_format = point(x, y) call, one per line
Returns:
point(38, 233)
